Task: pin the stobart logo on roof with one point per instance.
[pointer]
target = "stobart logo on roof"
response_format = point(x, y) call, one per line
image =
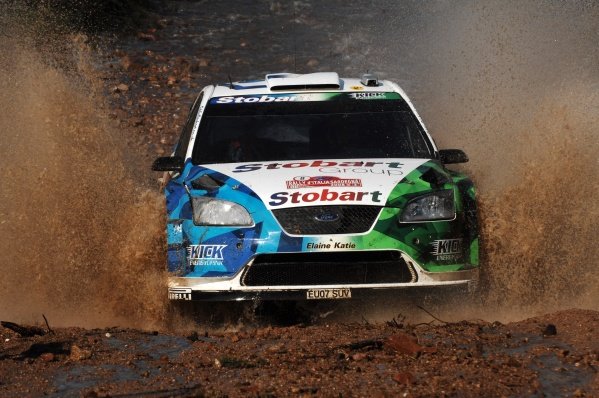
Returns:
point(246, 99)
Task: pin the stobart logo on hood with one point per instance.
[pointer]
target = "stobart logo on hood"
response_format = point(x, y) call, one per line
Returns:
point(322, 164)
point(324, 195)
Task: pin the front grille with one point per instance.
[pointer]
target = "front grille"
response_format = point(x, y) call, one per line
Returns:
point(331, 268)
point(327, 220)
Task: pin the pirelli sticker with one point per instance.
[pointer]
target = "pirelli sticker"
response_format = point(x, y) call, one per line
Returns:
point(179, 293)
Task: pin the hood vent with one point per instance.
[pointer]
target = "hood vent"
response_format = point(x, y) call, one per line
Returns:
point(311, 81)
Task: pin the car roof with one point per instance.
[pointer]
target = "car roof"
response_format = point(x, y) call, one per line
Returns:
point(312, 82)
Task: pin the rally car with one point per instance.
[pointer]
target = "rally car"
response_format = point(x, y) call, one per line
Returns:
point(313, 187)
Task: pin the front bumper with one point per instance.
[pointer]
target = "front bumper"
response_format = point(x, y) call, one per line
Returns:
point(232, 289)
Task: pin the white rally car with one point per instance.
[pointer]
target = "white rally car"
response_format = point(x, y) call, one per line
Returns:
point(313, 187)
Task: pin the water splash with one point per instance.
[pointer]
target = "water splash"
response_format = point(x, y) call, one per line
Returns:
point(80, 236)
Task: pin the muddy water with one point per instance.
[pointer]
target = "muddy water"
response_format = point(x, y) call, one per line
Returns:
point(515, 86)
point(80, 237)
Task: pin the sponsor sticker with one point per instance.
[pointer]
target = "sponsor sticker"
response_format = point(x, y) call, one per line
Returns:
point(328, 246)
point(179, 293)
point(328, 166)
point(254, 98)
point(322, 181)
point(303, 97)
point(205, 254)
point(447, 249)
point(368, 96)
point(324, 195)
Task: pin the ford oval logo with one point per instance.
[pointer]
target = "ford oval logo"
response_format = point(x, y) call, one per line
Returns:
point(327, 216)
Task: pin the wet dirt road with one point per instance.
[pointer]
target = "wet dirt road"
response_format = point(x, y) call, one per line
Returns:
point(149, 79)
point(553, 355)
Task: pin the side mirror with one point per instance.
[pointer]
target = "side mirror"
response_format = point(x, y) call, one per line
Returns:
point(168, 163)
point(451, 156)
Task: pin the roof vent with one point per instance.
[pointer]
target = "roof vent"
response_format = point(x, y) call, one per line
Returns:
point(290, 81)
point(369, 80)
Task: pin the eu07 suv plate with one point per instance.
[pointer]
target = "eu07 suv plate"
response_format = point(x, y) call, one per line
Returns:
point(324, 294)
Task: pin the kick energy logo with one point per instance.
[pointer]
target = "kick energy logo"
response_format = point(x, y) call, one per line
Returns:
point(205, 254)
point(447, 249)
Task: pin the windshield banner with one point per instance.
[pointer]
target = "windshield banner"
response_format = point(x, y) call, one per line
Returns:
point(304, 97)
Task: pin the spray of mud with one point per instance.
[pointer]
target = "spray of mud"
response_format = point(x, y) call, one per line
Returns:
point(80, 237)
point(539, 230)
point(516, 87)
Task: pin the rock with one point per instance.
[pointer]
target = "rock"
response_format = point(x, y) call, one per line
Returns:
point(359, 356)
point(194, 336)
point(405, 378)
point(134, 63)
point(79, 354)
point(123, 87)
point(203, 62)
point(47, 357)
point(136, 121)
point(312, 63)
point(146, 36)
point(24, 331)
point(126, 62)
point(120, 88)
point(550, 330)
point(280, 347)
point(403, 343)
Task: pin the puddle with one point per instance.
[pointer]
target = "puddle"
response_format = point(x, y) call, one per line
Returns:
point(155, 347)
point(69, 382)
point(558, 378)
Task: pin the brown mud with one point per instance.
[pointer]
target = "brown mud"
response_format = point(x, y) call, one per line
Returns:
point(81, 218)
point(551, 355)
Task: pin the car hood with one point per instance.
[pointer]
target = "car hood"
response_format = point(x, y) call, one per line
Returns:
point(317, 182)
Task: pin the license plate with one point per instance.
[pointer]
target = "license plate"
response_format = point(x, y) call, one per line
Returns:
point(328, 294)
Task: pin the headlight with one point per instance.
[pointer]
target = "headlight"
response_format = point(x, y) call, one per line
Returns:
point(210, 211)
point(433, 206)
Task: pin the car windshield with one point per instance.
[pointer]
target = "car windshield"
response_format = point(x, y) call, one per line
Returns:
point(257, 128)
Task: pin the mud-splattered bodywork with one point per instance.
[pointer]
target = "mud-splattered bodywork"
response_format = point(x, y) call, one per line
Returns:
point(306, 210)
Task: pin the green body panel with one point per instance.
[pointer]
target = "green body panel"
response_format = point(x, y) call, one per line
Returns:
point(425, 242)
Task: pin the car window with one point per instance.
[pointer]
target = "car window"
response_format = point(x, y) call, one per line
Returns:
point(253, 132)
point(181, 149)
